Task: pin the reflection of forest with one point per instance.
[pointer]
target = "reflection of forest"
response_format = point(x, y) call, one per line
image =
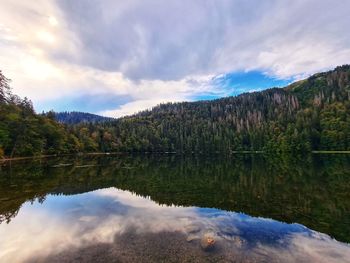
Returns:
point(313, 191)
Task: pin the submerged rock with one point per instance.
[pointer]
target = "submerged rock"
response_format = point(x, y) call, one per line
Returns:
point(192, 228)
point(190, 238)
point(208, 241)
point(236, 240)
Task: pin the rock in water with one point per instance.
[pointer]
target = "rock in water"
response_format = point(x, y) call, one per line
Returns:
point(191, 237)
point(208, 241)
point(192, 228)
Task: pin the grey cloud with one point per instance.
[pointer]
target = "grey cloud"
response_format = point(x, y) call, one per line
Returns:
point(158, 39)
point(169, 40)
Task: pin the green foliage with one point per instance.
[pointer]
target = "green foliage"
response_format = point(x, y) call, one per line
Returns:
point(313, 114)
point(24, 133)
point(75, 117)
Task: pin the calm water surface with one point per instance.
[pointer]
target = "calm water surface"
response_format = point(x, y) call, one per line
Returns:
point(176, 209)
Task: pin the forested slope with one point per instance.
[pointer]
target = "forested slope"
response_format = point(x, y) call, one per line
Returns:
point(75, 117)
point(312, 114)
point(24, 133)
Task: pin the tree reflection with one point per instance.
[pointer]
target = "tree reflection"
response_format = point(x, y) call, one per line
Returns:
point(311, 190)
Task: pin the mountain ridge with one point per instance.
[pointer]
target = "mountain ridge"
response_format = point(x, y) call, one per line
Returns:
point(76, 117)
point(291, 87)
point(312, 114)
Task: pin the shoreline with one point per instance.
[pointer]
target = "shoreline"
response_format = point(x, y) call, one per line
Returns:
point(52, 155)
point(163, 153)
point(330, 152)
point(28, 157)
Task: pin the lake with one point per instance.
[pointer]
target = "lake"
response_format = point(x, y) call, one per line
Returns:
point(169, 208)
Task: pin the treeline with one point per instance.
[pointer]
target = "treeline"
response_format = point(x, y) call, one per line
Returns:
point(75, 117)
point(312, 114)
point(24, 133)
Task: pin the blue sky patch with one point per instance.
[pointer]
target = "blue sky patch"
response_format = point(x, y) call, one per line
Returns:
point(236, 83)
point(85, 103)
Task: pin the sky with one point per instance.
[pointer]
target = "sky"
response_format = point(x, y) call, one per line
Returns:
point(114, 57)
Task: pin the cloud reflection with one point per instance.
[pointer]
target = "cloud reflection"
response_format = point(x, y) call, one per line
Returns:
point(100, 219)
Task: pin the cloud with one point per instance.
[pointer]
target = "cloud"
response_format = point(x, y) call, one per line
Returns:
point(173, 39)
point(100, 217)
point(154, 51)
point(149, 93)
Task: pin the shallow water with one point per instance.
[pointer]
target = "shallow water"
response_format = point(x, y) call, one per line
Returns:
point(176, 209)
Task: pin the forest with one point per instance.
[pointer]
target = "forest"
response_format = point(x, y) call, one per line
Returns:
point(308, 115)
point(75, 117)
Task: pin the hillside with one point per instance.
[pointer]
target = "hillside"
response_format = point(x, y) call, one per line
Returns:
point(312, 114)
point(25, 133)
point(75, 117)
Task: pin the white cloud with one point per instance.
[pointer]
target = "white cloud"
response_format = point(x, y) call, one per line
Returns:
point(149, 93)
point(134, 107)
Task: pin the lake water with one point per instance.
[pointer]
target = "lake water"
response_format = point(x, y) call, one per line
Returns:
point(167, 208)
